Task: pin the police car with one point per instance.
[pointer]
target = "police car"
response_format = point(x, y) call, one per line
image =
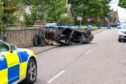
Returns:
point(17, 65)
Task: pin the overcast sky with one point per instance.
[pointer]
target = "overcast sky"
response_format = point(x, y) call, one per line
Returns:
point(121, 11)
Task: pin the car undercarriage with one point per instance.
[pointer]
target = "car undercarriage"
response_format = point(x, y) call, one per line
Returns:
point(70, 36)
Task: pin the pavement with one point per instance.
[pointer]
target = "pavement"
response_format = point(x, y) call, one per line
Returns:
point(38, 50)
point(98, 31)
point(103, 61)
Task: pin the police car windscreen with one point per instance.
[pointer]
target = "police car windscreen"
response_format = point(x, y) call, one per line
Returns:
point(3, 47)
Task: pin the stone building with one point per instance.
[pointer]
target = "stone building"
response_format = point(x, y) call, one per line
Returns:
point(114, 18)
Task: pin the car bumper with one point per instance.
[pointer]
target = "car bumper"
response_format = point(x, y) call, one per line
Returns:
point(122, 37)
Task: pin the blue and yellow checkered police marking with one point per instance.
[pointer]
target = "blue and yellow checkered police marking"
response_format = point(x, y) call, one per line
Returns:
point(13, 66)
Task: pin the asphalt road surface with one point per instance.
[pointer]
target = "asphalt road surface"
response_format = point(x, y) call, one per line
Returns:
point(103, 61)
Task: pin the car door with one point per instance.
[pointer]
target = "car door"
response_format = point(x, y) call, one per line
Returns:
point(3, 70)
point(10, 61)
point(13, 66)
point(23, 56)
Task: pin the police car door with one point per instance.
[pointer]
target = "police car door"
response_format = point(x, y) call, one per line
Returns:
point(10, 61)
point(3, 70)
point(13, 66)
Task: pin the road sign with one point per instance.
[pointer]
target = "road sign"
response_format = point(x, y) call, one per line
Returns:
point(79, 18)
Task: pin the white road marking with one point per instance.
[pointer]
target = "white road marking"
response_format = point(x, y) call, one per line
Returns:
point(89, 51)
point(52, 79)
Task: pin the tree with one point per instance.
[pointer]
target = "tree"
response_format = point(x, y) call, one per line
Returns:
point(1, 13)
point(7, 9)
point(122, 3)
point(90, 8)
point(51, 10)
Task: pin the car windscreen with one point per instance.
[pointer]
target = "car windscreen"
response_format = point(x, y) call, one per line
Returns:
point(3, 47)
point(123, 26)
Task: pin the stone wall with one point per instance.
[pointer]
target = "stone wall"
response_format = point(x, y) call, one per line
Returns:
point(19, 37)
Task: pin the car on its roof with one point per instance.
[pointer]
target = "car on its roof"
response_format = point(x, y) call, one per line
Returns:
point(69, 36)
point(17, 64)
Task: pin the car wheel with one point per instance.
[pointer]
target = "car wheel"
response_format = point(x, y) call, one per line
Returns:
point(68, 41)
point(31, 72)
point(91, 37)
point(35, 43)
point(120, 40)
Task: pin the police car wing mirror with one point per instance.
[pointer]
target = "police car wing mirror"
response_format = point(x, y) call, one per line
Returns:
point(12, 48)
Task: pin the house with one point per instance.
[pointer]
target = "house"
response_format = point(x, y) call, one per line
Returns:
point(111, 20)
point(114, 18)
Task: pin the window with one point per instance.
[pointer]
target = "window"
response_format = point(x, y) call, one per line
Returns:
point(3, 47)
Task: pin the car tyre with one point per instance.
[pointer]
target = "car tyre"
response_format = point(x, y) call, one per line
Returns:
point(35, 40)
point(31, 74)
point(119, 40)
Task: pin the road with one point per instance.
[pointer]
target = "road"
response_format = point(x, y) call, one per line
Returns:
point(103, 61)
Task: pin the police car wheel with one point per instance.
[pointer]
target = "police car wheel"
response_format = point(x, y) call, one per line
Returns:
point(31, 72)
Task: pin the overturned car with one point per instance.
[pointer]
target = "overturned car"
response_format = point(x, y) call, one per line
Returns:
point(70, 36)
